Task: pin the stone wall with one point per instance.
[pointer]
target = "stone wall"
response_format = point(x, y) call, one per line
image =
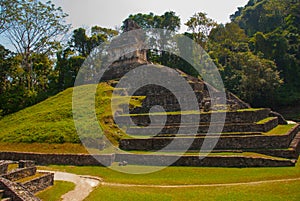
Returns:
point(25, 164)
point(3, 168)
point(15, 191)
point(20, 173)
point(224, 143)
point(211, 161)
point(60, 159)
point(40, 183)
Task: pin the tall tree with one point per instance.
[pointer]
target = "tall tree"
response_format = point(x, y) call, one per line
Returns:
point(70, 59)
point(251, 77)
point(273, 26)
point(7, 13)
point(34, 29)
point(200, 26)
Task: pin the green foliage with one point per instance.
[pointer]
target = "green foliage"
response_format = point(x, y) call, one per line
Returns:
point(70, 59)
point(200, 26)
point(7, 14)
point(273, 26)
point(263, 15)
point(251, 77)
point(34, 30)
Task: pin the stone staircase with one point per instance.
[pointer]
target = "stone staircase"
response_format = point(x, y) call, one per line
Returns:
point(247, 137)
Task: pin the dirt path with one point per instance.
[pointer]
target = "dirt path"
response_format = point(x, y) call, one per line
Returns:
point(84, 185)
point(200, 185)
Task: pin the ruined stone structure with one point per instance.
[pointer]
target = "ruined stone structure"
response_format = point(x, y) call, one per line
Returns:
point(245, 129)
point(20, 184)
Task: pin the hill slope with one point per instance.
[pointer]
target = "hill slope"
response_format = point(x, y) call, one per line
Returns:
point(51, 121)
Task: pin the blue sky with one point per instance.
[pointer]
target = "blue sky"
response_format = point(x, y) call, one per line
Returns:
point(111, 13)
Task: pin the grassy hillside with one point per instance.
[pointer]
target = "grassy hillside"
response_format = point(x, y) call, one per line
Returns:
point(51, 121)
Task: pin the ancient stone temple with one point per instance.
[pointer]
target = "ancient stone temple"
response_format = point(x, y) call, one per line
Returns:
point(249, 137)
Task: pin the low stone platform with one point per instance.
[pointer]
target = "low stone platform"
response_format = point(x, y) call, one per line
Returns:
point(234, 160)
point(60, 159)
point(19, 181)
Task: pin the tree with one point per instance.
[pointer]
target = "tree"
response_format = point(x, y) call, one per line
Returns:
point(273, 28)
point(70, 59)
point(34, 29)
point(84, 44)
point(262, 15)
point(251, 77)
point(200, 26)
point(7, 14)
point(260, 79)
point(6, 68)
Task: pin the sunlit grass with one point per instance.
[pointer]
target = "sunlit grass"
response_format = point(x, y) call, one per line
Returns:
point(43, 147)
point(55, 192)
point(280, 129)
point(272, 192)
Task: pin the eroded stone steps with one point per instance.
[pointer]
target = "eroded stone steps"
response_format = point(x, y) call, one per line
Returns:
point(241, 116)
point(223, 142)
point(203, 128)
point(292, 152)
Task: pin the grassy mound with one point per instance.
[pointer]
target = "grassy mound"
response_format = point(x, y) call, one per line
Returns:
point(51, 121)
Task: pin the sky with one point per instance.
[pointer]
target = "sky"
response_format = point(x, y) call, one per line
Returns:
point(111, 13)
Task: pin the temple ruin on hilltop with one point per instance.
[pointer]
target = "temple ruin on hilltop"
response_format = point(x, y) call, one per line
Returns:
point(249, 136)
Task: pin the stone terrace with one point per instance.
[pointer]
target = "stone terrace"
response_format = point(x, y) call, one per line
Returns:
point(19, 181)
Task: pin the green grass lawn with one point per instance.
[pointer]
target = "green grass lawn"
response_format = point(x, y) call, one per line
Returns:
point(55, 192)
point(271, 192)
point(288, 190)
point(43, 147)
